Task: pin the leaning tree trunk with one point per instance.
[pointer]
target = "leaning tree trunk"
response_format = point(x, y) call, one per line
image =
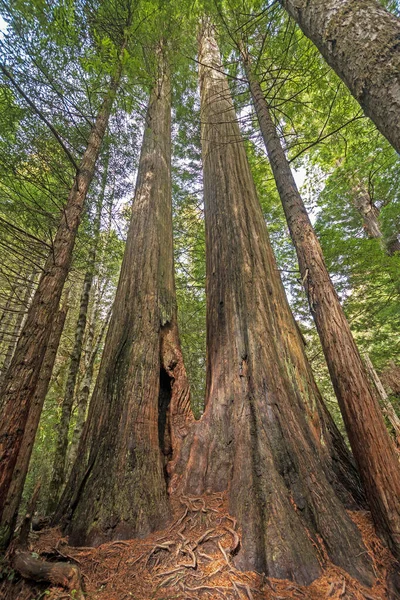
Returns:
point(140, 407)
point(22, 376)
point(14, 495)
point(359, 39)
point(255, 438)
point(372, 447)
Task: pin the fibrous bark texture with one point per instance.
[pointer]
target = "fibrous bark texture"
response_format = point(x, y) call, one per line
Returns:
point(256, 437)
point(22, 376)
point(140, 407)
point(359, 39)
point(14, 495)
point(372, 447)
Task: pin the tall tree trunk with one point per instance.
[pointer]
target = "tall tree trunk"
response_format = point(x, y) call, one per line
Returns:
point(372, 447)
point(359, 40)
point(140, 407)
point(14, 495)
point(255, 438)
point(60, 454)
point(91, 353)
point(22, 376)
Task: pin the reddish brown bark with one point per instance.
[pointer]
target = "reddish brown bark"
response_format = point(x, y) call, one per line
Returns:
point(359, 39)
point(373, 450)
point(14, 495)
point(140, 407)
point(20, 383)
point(255, 437)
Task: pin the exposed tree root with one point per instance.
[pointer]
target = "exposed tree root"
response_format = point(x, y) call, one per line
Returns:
point(193, 559)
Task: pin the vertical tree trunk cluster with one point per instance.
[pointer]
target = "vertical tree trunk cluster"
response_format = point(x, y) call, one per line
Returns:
point(22, 376)
point(140, 408)
point(359, 39)
point(60, 454)
point(369, 438)
point(92, 350)
point(256, 438)
point(12, 319)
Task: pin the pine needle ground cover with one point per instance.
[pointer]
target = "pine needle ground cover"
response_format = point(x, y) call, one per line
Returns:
point(193, 558)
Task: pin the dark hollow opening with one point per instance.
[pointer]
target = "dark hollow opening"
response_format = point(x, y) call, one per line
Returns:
point(164, 399)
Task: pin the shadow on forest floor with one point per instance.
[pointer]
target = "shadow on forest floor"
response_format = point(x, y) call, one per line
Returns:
point(193, 558)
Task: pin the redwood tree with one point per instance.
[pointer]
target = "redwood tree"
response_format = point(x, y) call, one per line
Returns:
point(359, 39)
point(372, 447)
point(255, 439)
point(22, 376)
point(140, 407)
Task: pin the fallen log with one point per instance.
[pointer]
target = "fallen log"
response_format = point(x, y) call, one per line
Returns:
point(57, 573)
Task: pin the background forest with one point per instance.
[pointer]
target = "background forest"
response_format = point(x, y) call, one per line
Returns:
point(56, 62)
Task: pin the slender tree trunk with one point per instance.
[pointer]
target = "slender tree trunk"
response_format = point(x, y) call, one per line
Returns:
point(368, 212)
point(140, 407)
point(60, 454)
point(255, 438)
point(83, 398)
point(370, 216)
point(14, 495)
point(359, 40)
point(22, 376)
point(369, 438)
point(391, 378)
point(388, 409)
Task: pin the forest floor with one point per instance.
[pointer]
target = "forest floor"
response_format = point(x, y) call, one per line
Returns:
point(192, 558)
